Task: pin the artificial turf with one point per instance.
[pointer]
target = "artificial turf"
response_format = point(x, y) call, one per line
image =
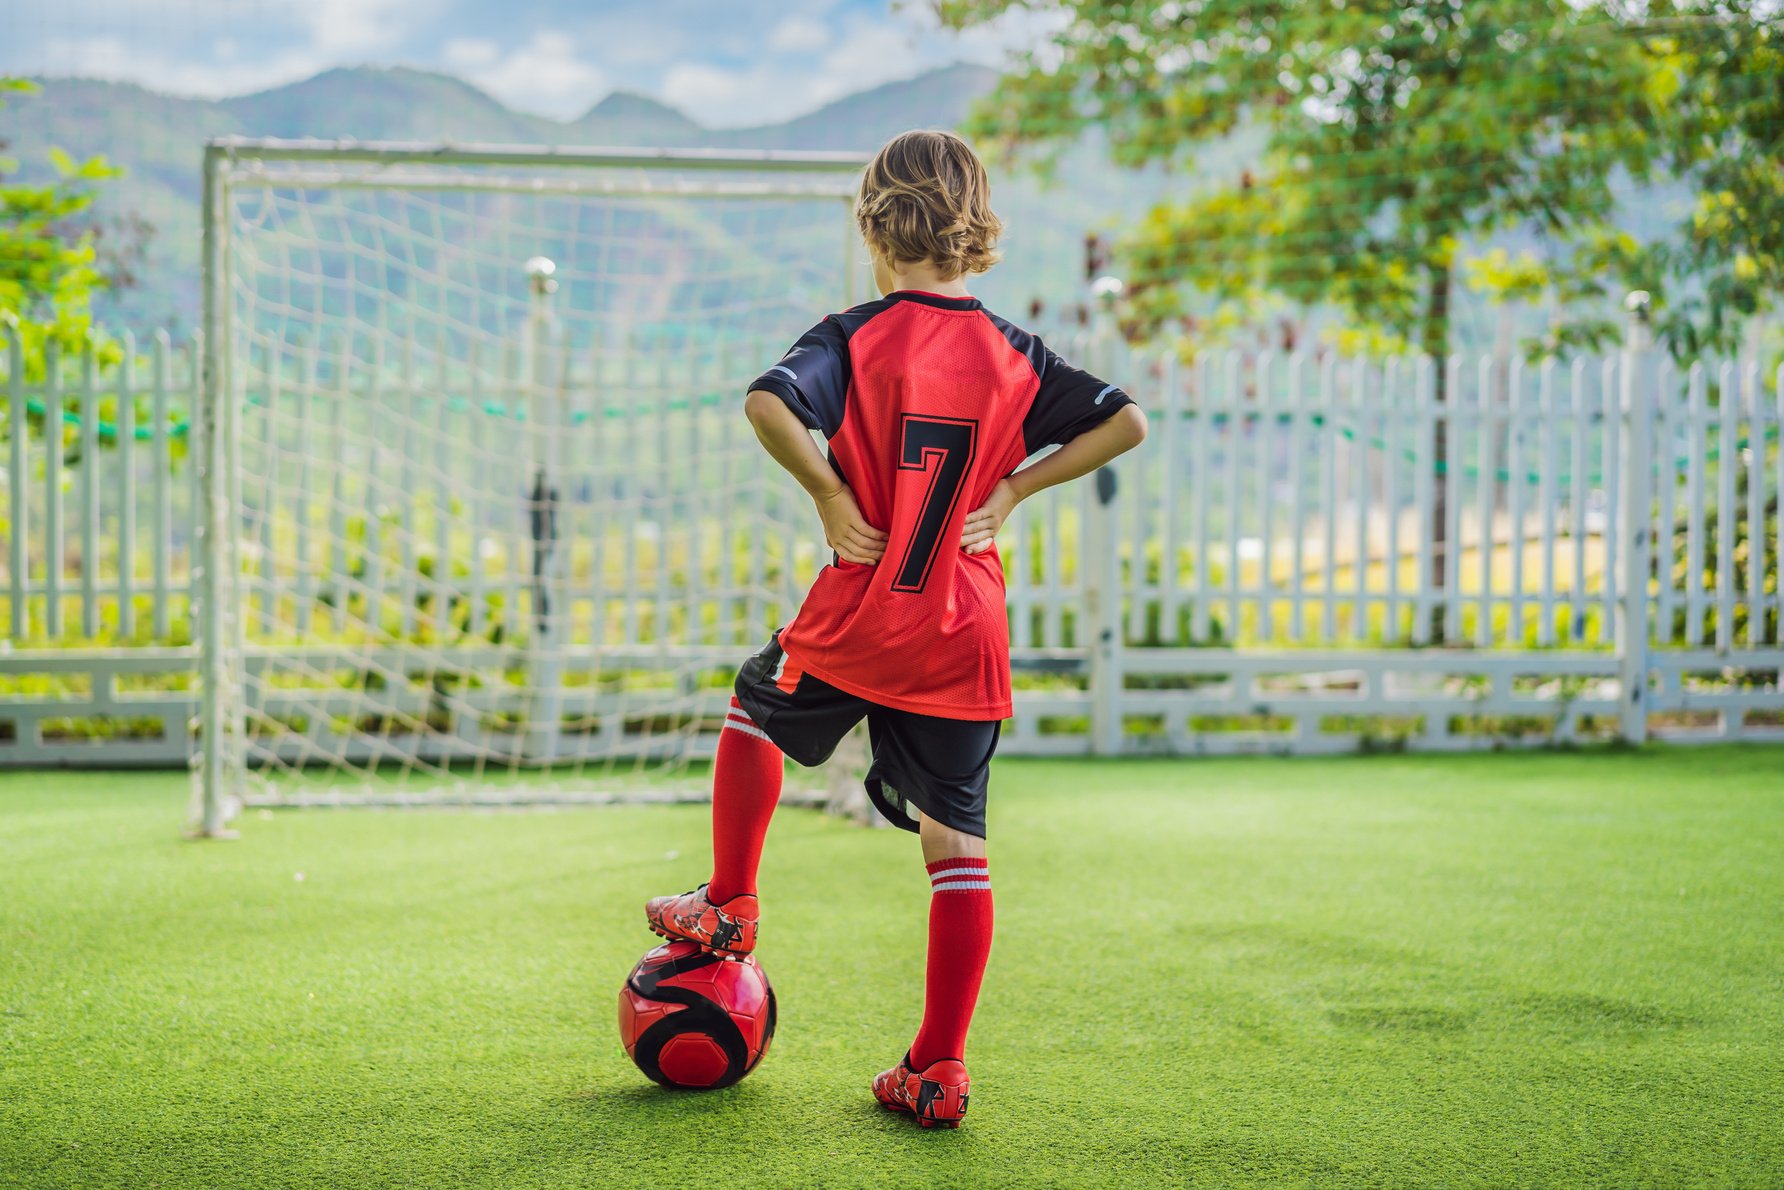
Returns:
point(1555, 968)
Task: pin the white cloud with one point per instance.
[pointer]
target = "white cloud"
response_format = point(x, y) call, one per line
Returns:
point(765, 90)
point(547, 74)
point(359, 26)
point(864, 54)
point(700, 89)
point(332, 26)
point(112, 58)
point(227, 48)
point(797, 35)
point(466, 53)
point(640, 35)
point(870, 54)
point(100, 57)
point(837, 56)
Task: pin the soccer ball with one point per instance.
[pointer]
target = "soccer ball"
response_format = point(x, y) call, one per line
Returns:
point(690, 1018)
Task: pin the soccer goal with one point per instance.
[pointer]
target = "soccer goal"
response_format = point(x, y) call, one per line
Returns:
point(482, 520)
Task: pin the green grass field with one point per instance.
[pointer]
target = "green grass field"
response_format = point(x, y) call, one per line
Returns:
point(1507, 969)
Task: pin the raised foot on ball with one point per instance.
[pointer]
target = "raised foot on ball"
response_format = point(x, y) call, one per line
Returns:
point(727, 929)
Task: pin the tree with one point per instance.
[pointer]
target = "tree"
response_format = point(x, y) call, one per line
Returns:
point(1722, 69)
point(49, 267)
point(1393, 134)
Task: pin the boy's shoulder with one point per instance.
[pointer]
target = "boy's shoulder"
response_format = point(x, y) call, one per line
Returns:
point(855, 317)
point(852, 319)
point(840, 329)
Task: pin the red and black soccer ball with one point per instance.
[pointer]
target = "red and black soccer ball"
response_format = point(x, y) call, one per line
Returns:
point(690, 1018)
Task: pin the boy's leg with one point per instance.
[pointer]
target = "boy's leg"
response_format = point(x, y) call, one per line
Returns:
point(932, 775)
point(746, 787)
point(960, 926)
point(723, 914)
point(778, 710)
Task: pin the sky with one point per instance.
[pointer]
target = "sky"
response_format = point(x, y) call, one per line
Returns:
point(725, 64)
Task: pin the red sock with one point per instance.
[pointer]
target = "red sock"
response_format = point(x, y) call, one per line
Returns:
point(959, 944)
point(746, 785)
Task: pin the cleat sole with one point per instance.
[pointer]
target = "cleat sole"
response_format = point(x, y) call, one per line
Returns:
point(722, 953)
point(922, 1121)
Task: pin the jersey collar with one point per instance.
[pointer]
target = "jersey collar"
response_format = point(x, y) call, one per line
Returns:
point(940, 301)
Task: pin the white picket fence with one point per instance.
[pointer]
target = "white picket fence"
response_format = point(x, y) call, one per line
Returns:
point(1265, 574)
point(119, 572)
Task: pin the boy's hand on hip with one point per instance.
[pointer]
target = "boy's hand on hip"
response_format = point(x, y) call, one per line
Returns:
point(982, 524)
point(846, 531)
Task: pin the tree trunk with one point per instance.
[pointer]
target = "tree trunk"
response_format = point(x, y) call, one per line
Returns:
point(1436, 345)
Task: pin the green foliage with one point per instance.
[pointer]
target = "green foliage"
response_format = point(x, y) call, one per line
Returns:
point(48, 265)
point(1718, 67)
point(1677, 560)
point(1394, 134)
point(1507, 277)
point(1398, 135)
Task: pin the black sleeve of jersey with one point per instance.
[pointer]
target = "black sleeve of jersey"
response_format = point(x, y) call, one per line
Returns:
point(813, 377)
point(1068, 403)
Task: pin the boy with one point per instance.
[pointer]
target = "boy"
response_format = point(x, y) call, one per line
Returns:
point(930, 404)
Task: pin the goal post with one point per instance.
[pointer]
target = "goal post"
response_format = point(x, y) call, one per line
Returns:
point(480, 518)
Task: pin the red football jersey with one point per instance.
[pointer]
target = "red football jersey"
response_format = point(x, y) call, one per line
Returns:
point(927, 402)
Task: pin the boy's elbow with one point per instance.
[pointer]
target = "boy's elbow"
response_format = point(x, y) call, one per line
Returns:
point(1134, 422)
point(759, 406)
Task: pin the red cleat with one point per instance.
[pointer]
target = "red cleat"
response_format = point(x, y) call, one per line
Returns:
point(723, 929)
point(937, 1096)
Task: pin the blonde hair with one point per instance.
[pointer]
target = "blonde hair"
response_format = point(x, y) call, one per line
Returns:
point(925, 197)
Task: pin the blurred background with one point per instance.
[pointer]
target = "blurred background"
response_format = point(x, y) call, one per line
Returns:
point(1441, 175)
point(1390, 277)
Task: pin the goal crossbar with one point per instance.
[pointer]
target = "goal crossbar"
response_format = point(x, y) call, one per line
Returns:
point(324, 179)
point(269, 149)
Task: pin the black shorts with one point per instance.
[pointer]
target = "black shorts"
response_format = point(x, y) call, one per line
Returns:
point(920, 762)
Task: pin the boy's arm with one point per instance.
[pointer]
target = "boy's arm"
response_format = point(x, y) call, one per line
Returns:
point(788, 440)
point(1082, 455)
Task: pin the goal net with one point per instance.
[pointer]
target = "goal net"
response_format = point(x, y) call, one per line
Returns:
point(483, 519)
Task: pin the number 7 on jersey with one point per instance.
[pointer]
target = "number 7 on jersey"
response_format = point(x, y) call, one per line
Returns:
point(942, 446)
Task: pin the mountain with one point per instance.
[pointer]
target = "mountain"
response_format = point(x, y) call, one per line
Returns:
point(624, 118)
point(380, 104)
point(867, 119)
point(158, 140)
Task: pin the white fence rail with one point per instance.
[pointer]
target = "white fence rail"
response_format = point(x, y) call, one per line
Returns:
point(1273, 570)
point(99, 498)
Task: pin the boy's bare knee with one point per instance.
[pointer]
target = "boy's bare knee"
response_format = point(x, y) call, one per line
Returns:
point(944, 842)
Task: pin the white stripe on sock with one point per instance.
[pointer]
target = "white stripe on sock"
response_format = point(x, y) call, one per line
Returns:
point(966, 885)
point(950, 873)
point(746, 727)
